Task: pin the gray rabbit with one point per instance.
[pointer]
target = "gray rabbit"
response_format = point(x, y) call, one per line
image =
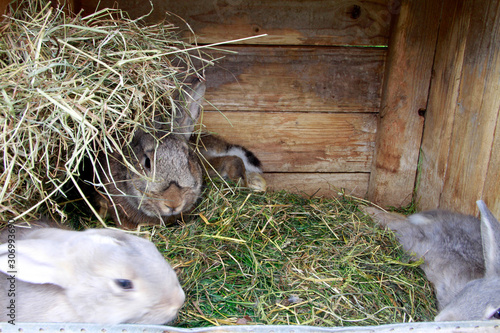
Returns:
point(95, 276)
point(167, 175)
point(461, 258)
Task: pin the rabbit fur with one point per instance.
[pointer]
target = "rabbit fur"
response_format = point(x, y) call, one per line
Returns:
point(95, 276)
point(230, 161)
point(170, 173)
point(461, 258)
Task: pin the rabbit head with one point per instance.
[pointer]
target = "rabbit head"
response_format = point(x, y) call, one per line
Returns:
point(461, 258)
point(480, 298)
point(165, 178)
point(94, 276)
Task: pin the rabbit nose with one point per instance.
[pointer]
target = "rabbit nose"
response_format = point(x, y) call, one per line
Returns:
point(172, 200)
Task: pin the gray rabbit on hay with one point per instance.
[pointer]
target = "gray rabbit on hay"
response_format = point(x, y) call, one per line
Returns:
point(461, 258)
point(170, 179)
point(95, 276)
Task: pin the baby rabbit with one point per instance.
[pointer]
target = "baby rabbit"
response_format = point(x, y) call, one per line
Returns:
point(230, 161)
point(170, 179)
point(461, 258)
point(95, 276)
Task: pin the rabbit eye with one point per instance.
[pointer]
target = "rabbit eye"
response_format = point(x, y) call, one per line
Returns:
point(147, 162)
point(124, 284)
point(496, 314)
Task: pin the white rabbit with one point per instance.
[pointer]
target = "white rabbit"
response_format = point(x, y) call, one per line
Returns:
point(94, 276)
point(461, 258)
point(172, 174)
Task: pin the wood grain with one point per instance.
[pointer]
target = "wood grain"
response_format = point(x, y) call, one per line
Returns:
point(406, 87)
point(300, 142)
point(476, 115)
point(461, 144)
point(297, 79)
point(287, 22)
point(320, 184)
point(442, 105)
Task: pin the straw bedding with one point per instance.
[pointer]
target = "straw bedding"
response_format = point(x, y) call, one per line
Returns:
point(279, 258)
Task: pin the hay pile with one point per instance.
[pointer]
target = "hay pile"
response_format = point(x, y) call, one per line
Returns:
point(71, 86)
point(278, 258)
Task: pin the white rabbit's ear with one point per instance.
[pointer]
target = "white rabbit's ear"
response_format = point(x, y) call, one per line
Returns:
point(31, 260)
point(192, 110)
point(490, 234)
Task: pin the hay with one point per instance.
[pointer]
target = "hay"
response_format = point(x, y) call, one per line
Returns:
point(278, 258)
point(72, 86)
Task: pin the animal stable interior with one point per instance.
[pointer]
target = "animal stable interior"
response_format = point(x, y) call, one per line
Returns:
point(392, 101)
point(388, 100)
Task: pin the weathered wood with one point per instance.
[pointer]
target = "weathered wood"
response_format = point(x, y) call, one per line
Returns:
point(300, 142)
point(411, 51)
point(477, 111)
point(3, 7)
point(319, 184)
point(461, 144)
point(442, 105)
point(287, 22)
point(297, 79)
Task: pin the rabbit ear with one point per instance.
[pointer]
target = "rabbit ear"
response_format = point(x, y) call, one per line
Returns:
point(191, 112)
point(32, 260)
point(490, 234)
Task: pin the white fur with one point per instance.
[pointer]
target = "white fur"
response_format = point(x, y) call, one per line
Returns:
point(71, 276)
point(238, 152)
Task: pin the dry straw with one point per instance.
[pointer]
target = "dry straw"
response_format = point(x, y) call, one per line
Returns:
point(71, 86)
point(280, 258)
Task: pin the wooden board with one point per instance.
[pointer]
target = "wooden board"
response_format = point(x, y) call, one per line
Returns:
point(441, 110)
point(460, 150)
point(409, 68)
point(301, 142)
point(287, 22)
point(3, 7)
point(477, 110)
point(320, 184)
point(297, 79)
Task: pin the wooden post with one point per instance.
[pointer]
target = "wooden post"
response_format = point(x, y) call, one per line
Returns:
point(404, 99)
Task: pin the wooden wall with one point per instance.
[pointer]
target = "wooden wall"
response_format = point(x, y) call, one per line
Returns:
point(437, 131)
point(305, 98)
point(460, 158)
point(327, 106)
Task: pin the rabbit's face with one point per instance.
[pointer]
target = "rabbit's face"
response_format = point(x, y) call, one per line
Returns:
point(94, 276)
point(479, 300)
point(172, 177)
point(124, 280)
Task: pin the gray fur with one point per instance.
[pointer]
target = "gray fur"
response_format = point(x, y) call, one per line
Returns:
point(452, 247)
point(134, 194)
point(70, 276)
point(166, 178)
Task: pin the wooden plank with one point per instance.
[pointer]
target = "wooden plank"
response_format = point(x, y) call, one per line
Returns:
point(408, 75)
point(300, 142)
point(491, 193)
point(297, 79)
point(3, 7)
point(319, 184)
point(442, 105)
point(477, 110)
point(287, 22)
